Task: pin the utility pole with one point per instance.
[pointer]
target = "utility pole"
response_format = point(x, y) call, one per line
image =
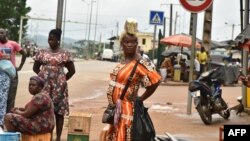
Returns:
point(245, 54)
point(117, 31)
point(164, 27)
point(208, 18)
point(87, 20)
point(90, 18)
point(153, 53)
point(100, 41)
point(233, 27)
point(96, 17)
point(170, 20)
point(175, 21)
point(241, 15)
point(64, 19)
point(59, 14)
point(233, 31)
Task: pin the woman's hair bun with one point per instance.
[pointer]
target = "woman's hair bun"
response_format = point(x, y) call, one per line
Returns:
point(57, 32)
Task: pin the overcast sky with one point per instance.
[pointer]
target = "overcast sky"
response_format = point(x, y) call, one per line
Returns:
point(113, 12)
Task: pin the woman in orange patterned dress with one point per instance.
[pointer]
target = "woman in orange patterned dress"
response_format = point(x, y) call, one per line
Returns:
point(145, 73)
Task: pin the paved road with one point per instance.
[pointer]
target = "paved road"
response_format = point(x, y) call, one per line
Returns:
point(167, 107)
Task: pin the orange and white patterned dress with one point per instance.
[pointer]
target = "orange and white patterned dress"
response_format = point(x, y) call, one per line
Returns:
point(146, 75)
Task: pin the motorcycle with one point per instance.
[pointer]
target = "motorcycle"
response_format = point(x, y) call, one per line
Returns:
point(239, 108)
point(206, 92)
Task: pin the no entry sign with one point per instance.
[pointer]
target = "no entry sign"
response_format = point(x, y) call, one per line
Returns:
point(196, 6)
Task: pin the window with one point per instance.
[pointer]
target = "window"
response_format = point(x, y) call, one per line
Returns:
point(143, 41)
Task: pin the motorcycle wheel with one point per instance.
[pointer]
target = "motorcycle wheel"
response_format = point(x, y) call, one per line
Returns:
point(205, 114)
point(224, 113)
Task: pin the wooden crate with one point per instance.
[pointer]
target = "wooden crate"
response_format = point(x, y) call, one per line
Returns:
point(221, 131)
point(38, 137)
point(79, 123)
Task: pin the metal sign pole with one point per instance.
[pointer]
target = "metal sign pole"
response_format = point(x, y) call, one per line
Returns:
point(153, 52)
point(245, 55)
point(191, 69)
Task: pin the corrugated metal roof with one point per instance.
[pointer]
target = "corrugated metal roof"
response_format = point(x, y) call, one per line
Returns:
point(243, 36)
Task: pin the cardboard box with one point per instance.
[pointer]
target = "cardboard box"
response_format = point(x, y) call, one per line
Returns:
point(79, 123)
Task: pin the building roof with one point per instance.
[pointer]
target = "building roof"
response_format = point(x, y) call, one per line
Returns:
point(243, 36)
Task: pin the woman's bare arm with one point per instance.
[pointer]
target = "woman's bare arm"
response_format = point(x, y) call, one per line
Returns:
point(149, 91)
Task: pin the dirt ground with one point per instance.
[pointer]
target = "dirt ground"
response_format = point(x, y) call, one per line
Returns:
point(167, 107)
point(169, 114)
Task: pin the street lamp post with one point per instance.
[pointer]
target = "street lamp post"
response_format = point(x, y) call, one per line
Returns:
point(37, 24)
point(233, 26)
point(87, 20)
point(90, 18)
point(86, 28)
point(96, 18)
point(170, 16)
point(233, 31)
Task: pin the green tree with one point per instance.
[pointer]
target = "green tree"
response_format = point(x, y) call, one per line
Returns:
point(10, 15)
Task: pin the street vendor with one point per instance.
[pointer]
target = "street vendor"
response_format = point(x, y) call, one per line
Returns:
point(202, 58)
point(37, 117)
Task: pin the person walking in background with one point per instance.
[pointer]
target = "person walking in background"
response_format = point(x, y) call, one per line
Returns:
point(49, 64)
point(167, 65)
point(9, 48)
point(144, 73)
point(144, 56)
point(163, 69)
point(202, 58)
point(37, 117)
point(196, 68)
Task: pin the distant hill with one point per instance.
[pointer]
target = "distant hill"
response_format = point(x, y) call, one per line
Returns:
point(42, 41)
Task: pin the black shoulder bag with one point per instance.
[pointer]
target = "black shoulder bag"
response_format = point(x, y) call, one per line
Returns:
point(142, 126)
point(109, 113)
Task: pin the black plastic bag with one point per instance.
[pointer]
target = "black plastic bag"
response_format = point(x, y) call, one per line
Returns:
point(108, 115)
point(142, 128)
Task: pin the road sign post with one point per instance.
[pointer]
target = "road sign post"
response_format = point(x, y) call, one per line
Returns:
point(155, 18)
point(194, 6)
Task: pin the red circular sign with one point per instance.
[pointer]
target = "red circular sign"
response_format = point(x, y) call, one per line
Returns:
point(196, 6)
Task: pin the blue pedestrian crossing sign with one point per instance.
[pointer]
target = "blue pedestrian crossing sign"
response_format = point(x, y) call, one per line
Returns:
point(156, 18)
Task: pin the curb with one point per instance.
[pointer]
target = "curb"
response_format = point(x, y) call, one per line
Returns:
point(174, 83)
point(180, 83)
point(247, 110)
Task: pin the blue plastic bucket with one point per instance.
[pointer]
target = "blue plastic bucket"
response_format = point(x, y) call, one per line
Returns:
point(10, 136)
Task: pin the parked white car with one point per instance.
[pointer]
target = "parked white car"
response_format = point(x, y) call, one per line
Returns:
point(107, 54)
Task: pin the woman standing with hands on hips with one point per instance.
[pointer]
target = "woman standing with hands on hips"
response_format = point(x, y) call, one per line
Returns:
point(145, 73)
point(49, 64)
